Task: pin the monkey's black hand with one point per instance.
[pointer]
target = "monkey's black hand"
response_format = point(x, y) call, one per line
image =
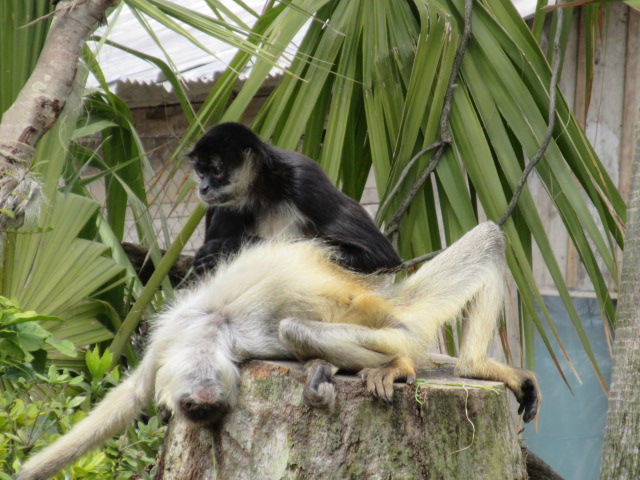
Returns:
point(319, 391)
point(209, 255)
point(528, 400)
point(212, 252)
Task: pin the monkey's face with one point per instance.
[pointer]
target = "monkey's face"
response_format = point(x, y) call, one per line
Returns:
point(225, 181)
point(205, 405)
point(196, 381)
point(226, 160)
point(226, 168)
point(214, 175)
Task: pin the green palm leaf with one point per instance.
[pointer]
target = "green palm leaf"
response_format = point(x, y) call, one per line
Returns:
point(55, 272)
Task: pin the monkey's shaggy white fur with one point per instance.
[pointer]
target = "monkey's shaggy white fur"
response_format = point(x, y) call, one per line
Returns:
point(287, 299)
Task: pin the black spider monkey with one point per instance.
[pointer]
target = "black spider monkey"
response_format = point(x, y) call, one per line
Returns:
point(255, 190)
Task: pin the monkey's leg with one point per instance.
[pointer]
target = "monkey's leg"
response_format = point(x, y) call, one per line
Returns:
point(468, 278)
point(117, 410)
point(369, 310)
point(481, 320)
point(377, 353)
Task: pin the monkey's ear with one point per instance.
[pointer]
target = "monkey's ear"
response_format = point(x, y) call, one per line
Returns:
point(191, 155)
point(253, 154)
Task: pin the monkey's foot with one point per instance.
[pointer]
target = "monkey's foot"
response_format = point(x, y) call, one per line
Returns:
point(529, 399)
point(524, 385)
point(203, 406)
point(319, 391)
point(379, 381)
point(520, 381)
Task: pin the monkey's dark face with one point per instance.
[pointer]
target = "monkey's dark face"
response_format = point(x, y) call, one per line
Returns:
point(225, 160)
point(214, 177)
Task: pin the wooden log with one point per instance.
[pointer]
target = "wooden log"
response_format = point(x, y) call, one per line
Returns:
point(537, 469)
point(444, 427)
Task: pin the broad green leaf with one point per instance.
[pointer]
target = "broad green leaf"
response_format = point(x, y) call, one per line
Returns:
point(98, 365)
point(31, 337)
point(58, 271)
point(65, 347)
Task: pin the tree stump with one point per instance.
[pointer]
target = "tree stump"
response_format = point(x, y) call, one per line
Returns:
point(444, 428)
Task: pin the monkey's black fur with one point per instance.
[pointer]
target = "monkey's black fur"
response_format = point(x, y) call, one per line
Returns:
point(279, 185)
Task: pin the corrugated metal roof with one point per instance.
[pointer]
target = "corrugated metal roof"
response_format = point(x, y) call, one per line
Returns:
point(194, 63)
point(526, 8)
point(191, 60)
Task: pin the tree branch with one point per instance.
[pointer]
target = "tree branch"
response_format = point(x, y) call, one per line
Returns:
point(404, 174)
point(553, 87)
point(422, 258)
point(40, 103)
point(444, 134)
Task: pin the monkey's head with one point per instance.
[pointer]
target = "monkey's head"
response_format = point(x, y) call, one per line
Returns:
point(227, 160)
point(205, 405)
point(202, 392)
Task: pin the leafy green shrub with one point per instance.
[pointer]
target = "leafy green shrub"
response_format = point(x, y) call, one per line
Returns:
point(23, 341)
point(37, 404)
point(31, 421)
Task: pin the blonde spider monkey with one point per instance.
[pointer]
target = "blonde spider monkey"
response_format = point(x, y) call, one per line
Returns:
point(280, 300)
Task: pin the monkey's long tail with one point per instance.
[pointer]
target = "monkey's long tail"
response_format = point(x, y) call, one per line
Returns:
point(118, 409)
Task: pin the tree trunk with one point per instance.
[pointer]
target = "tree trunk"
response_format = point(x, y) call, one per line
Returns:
point(447, 428)
point(537, 469)
point(621, 455)
point(41, 102)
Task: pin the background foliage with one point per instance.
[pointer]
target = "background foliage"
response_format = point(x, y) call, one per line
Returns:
point(36, 408)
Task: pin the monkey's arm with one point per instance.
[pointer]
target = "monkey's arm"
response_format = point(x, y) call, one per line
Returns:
point(141, 261)
point(378, 354)
point(211, 253)
point(226, 231)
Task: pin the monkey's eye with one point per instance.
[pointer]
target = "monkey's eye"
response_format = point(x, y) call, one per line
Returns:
point(217, 172)
point(200, 173)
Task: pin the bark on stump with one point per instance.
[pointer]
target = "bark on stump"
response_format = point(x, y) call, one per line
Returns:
point(442, 430)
